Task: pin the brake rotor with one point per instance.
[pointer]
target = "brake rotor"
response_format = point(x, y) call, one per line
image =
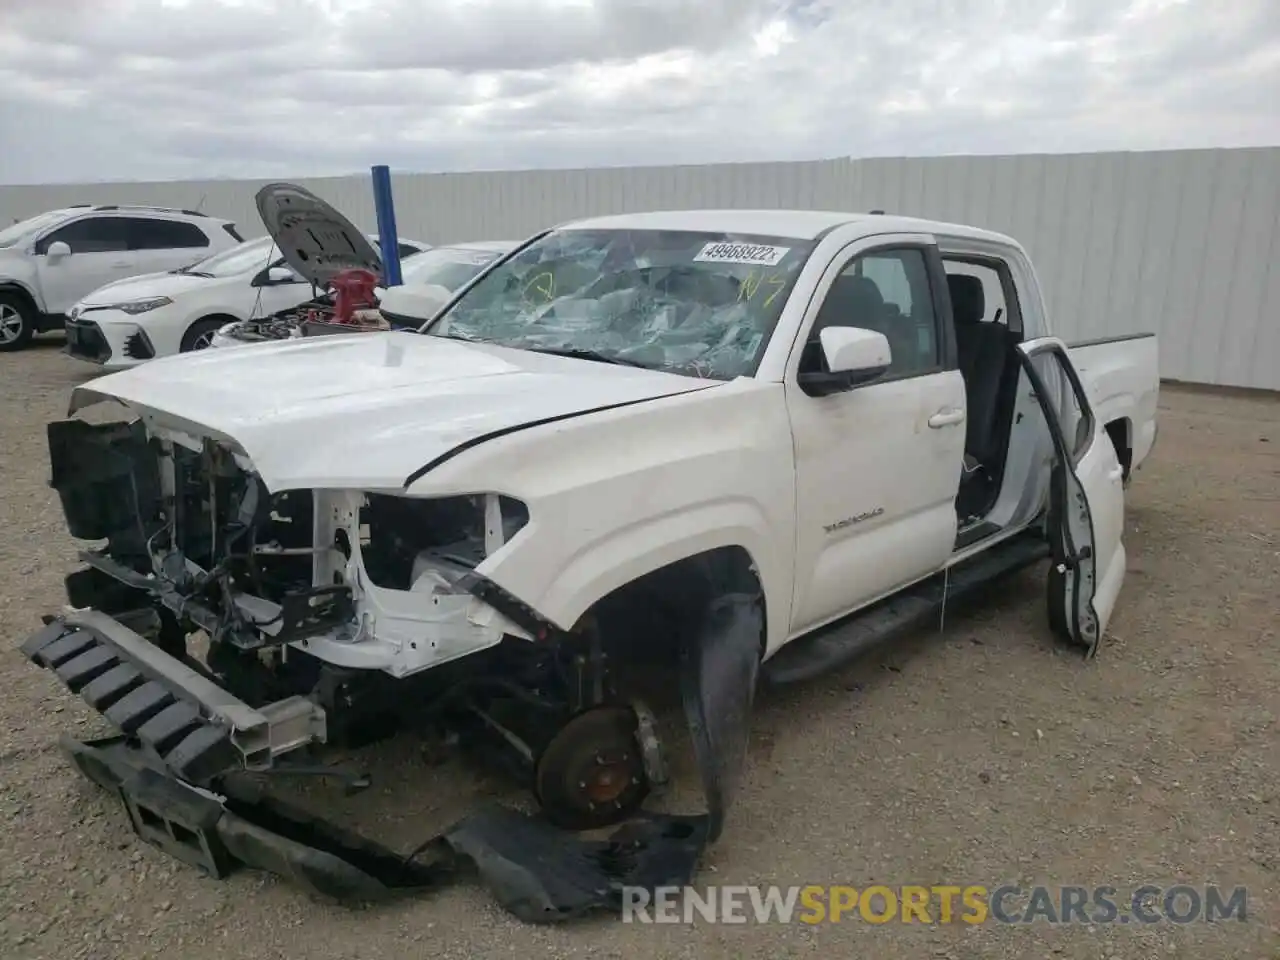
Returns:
point(592, 772)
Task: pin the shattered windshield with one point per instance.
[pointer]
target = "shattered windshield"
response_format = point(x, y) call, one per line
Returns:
point(693, 303)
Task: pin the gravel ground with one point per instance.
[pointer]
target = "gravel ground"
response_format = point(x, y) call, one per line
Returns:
point(978, 757)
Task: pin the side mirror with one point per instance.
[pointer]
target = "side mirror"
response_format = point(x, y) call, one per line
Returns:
point(853, 356)
point(273, 276)
point(57, 250)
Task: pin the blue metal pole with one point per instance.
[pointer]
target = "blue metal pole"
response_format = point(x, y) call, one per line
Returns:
point(388, 235)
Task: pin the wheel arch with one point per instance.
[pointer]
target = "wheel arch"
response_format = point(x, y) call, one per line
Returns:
point(725, 540)
point(22, 291)
point(221, 319)
point(1120, 430)
point(657, 616)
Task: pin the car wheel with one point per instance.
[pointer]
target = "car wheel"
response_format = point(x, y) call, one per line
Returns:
point(200, 334)
point(17, 322)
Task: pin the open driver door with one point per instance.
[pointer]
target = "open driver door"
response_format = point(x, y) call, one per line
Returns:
point(1085, 517)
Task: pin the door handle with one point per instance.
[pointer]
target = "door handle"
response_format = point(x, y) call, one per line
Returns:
point(946, 418)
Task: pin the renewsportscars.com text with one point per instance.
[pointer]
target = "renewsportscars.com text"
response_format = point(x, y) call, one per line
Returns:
point(942, 904)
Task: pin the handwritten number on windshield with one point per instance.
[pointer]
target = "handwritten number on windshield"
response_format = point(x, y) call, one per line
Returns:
point(752, 283)
point(540, 290)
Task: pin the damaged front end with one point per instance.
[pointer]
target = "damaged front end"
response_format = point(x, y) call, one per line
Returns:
point(227, 630)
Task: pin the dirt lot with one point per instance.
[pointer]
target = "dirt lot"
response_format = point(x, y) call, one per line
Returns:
point(979, 757)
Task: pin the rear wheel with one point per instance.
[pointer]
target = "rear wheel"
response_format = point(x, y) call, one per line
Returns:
point(17, 322)
point(200, 334)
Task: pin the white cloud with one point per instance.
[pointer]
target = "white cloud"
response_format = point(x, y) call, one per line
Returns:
point(145, 89)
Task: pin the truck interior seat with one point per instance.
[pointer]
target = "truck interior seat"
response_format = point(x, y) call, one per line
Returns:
point(983, 354)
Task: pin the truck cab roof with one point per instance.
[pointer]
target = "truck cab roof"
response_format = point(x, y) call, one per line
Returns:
point(799, 224)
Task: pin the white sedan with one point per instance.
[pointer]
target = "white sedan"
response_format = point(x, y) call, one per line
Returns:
point(429, 281)
point(137, 319)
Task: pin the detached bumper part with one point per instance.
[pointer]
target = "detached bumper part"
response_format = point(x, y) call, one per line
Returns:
point(195, 727)
point(179, 772)
point(534, 870)
point(134, 698)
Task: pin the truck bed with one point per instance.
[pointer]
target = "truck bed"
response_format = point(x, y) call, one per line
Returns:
point(1122, 377)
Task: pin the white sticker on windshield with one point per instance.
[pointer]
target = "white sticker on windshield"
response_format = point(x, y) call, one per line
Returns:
point(756, 254)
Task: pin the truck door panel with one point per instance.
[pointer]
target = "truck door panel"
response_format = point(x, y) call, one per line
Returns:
point(877, 467)
point(1085, 519)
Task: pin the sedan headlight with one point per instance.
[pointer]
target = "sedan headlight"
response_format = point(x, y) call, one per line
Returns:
point(135, 307)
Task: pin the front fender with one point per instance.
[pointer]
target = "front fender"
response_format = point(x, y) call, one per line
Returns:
point(599, 567)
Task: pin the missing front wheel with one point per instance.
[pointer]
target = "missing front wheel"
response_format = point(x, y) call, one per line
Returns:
point(592, 772)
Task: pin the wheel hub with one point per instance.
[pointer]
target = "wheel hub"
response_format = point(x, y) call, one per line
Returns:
point(591, 773)
point(607, 780)
point(10, 324)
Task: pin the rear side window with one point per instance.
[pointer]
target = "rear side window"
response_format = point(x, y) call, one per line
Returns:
point(408, 250)
point(148, 233)
point(235, 234)
point(987, 308)
point(90, 235)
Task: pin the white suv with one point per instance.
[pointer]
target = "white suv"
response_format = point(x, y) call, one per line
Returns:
point(51, 260)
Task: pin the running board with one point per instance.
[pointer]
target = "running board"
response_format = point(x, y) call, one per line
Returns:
point(838, 644)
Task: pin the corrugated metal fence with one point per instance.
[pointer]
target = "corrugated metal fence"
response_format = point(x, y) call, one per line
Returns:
point(1180, 242)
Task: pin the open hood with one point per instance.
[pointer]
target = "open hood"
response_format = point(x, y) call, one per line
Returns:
point(314, 238)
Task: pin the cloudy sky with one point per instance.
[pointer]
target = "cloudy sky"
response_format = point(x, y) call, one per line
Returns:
point(162, 89)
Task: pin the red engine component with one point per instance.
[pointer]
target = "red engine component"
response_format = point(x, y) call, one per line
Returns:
point(352, 291)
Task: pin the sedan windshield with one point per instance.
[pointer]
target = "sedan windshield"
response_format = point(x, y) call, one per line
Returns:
point(693, 303)
point(448, 267)
point(251, 255)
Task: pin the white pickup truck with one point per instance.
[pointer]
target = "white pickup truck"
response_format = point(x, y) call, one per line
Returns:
point(744, 444)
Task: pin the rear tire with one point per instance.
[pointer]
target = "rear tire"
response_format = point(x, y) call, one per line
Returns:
point(17, 322)
point(200, 333)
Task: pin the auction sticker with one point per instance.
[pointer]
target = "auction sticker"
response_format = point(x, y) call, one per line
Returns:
point(755, 254)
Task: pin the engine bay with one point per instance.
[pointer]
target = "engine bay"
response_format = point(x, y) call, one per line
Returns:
point(190, 528)
point(349, 305)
